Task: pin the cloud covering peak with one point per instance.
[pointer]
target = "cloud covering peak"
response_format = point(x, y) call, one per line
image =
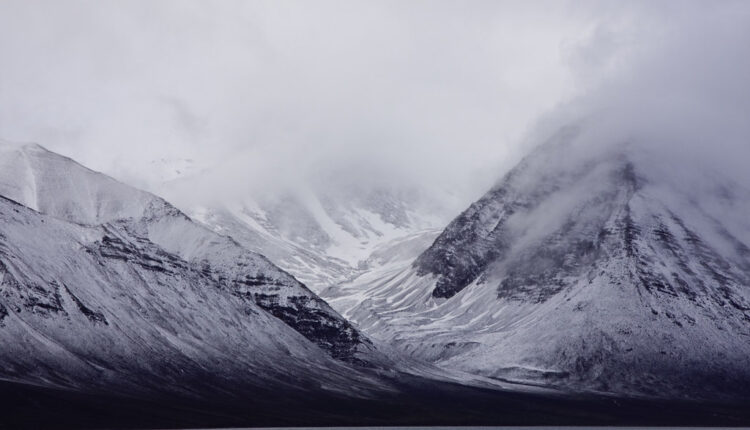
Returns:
point(425, 91)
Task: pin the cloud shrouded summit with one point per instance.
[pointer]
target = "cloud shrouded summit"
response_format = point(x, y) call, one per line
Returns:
point(416, 86)
point(287, 90)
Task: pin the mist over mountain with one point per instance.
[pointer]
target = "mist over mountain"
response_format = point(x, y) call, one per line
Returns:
point(616, 250)
point(385, 213)
point(592, 274)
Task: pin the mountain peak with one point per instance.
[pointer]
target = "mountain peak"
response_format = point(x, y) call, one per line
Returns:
point(10, 145)
point(531, 200)
point(59, 187)
point(585, 269)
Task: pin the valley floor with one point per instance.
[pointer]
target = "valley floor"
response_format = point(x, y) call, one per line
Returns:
point(421, 402)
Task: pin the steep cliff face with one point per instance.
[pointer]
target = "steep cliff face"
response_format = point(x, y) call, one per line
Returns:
point(59, 187)
point(592, 271)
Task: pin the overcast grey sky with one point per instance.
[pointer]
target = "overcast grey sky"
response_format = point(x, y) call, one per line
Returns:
point(445, 90)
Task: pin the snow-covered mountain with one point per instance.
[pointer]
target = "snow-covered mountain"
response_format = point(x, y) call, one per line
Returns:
point(101, 283)
point(586, 267)
point(323, 230)
point(93, 307)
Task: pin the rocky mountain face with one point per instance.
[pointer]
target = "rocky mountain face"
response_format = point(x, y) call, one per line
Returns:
point(95, 308)
point(148, 262)
point(583, 269)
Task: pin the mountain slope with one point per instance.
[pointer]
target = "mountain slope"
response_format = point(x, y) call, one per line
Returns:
point(59, 187)
point(92, 308)
point(586, 269)
point(322, 229)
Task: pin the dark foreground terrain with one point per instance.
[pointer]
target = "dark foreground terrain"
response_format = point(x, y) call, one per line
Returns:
point(419, 403)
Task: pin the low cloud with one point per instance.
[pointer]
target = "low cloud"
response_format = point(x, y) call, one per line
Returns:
point(264, 93)
point(679, 95)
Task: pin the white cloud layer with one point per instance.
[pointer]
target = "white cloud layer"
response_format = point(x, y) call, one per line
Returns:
point(437, 91)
